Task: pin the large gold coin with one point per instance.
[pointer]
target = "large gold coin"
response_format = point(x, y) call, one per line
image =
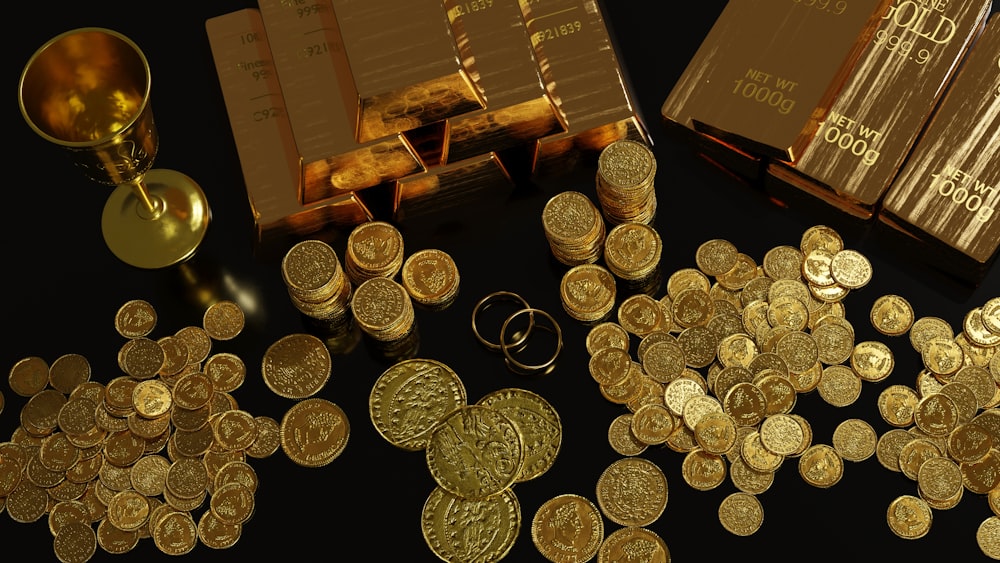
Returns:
point(314, 432)
point(632, 491)
point(461, 529)
point(537, 421)
point(475, 452)
point(410, 398)
point(568, 529)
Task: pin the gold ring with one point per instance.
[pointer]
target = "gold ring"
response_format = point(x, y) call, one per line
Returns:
point(553, 327)
point(489, 300)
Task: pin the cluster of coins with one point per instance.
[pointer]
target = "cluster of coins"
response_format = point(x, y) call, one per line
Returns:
point(722, 357)
point(574, 228)
point(626, 171)
point(570, 527)
point(374, 249)
point(317, 285)
point(136, 457)
point(945, 428)
point(421, 404)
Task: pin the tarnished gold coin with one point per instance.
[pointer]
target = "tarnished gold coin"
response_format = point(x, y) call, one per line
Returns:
point(851, 269)
point(459, 463)
point(296, 366)
point(909, 517)
point(854, 439)
point(28, 376)
point(715, 257)
point(411, 397)
point(821, 466)
point(988, 537)
point(463, 529)
point(538, 423)
point(223, 320)
point(741, 514)
point(568, 528)
point(624, 543)
point(431, 277)
point(632, 491)
point(314, 432)
point(891, 315)
point(135, 318)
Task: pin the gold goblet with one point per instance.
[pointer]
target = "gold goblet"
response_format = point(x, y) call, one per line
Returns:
point(87, 90)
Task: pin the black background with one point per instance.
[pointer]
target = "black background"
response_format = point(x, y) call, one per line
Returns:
point(63, 287)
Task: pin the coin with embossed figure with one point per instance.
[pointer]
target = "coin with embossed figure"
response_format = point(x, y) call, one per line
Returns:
point(536, 420)
point(891, 315)
point(462, 529)
point(909, 517)
point(632, 491)
point(635, 543)
point(568, 528)
point(411, 397)
point(431, 277)
point(223, 320)
point(314, 432)
point(135, 318)
point(296, 366)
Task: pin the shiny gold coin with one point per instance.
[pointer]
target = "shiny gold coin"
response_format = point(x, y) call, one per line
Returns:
point(610, 366)
point(715, 257)
point(607, 334)
point(28, 376)
point(741, 274)
point(703, 471)
point(839, 386)
point(175, 533)
point(783, 262)
point(310, 269)
point(536, 420)
point(914, 453)
point(821, 236)
point(988, 537)
point(990, 315)
point(374, 249)
point(781, 434)
point(889, 446)
point(232, 503)
point(816, 267)
point(587, 292)
point(314, 432)
point(431, 277)
point(135, 318)
point(223, 320)
point(454, 527)
point(821, 466)
point(623, 543)
point(192, 391)
point(936, 414)
point(632, 491)
point(748, 479)
point(622, 439)
point(653, 423)
point(411, 397)
point(939, 479)
point(68, 371)
point(982, 475)
point(854, 439)
point(142, 358)
point(891, 315)
point(741, 514)
point(851, 269)
point(199, 343)
point(757, 456)
point(268, 439)
point(716, 432)
point(216, 534)
point(872, 360)
point(909, 517)
point(151, 398)
point(632, 250)
point(640, 314)
point(296, 366)
point(457, 461)
point(896, 404)
point(925, 329)
point(382, 308)
point(746, 403)
point(568, 528)
point(76, 542)
point(226, 370)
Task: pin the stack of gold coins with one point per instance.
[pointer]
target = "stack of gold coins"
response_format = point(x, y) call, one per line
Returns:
point(383, 309)
point(632, 251)
point(574, 228)
point(431, 278)
point(588, 292)
point(625, 173)
point(374, 249)
point(316, 283)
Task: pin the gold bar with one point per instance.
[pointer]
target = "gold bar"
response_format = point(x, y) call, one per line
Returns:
point(877, 116)
point(581, 71)
point(948, 192)
point(495, 48)
point(479, 181)
point(405, 64)
point(767, 71)
point(264, 142)
point(319, 92)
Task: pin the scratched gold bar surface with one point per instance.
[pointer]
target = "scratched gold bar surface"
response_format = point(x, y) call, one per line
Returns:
point(495, 48)
point(317, 87)
point(405, 65)
point(889, 95)
point(264, 141)
point(767, 71)
point(581, 70)
point(481, 179)
point(948, 192)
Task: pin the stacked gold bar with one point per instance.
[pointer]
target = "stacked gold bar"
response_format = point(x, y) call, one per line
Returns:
point(346, 111)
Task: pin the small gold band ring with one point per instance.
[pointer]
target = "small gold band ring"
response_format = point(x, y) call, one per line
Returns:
point(489, 300)
point(553, 327)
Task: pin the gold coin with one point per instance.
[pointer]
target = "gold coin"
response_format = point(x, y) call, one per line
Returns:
point(703, 471)
point(781, 434)
point(223, 320)
point(896, 404)
point(588, 292)
point(640, 314)
point(891, 315)
point(76, 542)
point(567, 528)
point(939, 479)
point(310, 269)
point(851, 269)
point(925, 329)
point(431, 277)
point(135, 318)
point(909, 517)
point(632, 250)
point(232, 503)
point(741, 514)
point(821, 236)
point(990, 314)
point(142, 358)
point(314, 432)
point(854, 439)
point(175, 533)
point(622, 439)
point(215, 533)
point(748, 479)
point(914, 453)
point(296, 366)
point(226, 370)
point(872, 360)
point(68, 371)
point(382, 308)
point(816, 267)
point(746, 403)
point(975, 329)
point(936, 414)
point(652, 423)
point(624, 543)
point(28, 376)
point(268, 439)
point(199, 343)
point(982, 475)
point(755, 453)
point(461, 466)
point(536, 420)
point(716, 432)
point(839, 385)
point(988, 537)
point(411, 397)
point(454, 526)
point(821, 466)
point(374, 249)
point(715, 257)
point(632, 491)
point(607, 334)
point(151, 398)
point(783, 262)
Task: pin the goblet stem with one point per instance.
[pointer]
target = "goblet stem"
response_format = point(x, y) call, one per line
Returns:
point(151, 207)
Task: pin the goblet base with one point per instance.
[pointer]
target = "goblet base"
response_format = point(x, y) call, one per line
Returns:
point(169, 235)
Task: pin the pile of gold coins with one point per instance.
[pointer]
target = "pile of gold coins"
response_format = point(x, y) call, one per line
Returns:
point(420, 404)
point(316, 282)
point(374, 249)
point(113, 463)
point(626, 171)
point(574, 228)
